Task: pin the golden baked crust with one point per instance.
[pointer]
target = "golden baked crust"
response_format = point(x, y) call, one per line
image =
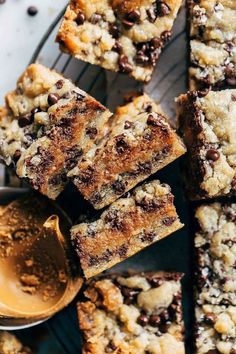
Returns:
point(120, 36)
point(50, 125)
point(133, 313)
point(140, 142)
point(126, 227)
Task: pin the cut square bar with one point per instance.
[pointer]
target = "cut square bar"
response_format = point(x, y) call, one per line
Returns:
point(140, 142)
point(142, 217)
point(212, 43)
point(50, 125)
point(125, 36)
point(208, 125)
point(139, 313)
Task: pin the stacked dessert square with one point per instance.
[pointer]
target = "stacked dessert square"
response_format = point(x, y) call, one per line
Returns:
point(51, 133)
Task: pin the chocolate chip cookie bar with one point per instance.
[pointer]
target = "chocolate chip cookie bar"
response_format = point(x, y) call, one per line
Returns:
point(212, 43)
point(130, 224)
point(125, 36)
point(50, 125)
point(207, 124)
point(215, 329)
point(139, 313)
point(140, 142)
point(215, 244)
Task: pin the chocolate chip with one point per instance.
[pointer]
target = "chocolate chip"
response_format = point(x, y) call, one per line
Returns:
point(59, 84)
point(92, 132)
point(213, 351)
point(80, 18)
point(133, 16)
point(155, 43)
point(25, 120)
point(17, 155)
point(95, 18)
point(53, 98)
point(212, 155)
point(2, 2)
point(151, 14)
point(169, 221)
point(87, 176)
point(148, 236)
point(142, 320)
point(112, 218)
point(35, 110)
point(111, 347)
point(121, 144)
point(114, 30)
point(154, 320)
point(172, 311)
point(122, 251)
point(129, 294)
point(124, 65)
point(233, 98)
point(210, 318)
point(150, 205)
point(145, 167)
point(164, 316)
point(162, 9)
point(128, 124)
point(229, 45)
point(117, 47)
point(127, 24)
point(165, 36)
point(119, 187)
point(141, 58)
point(32, 10)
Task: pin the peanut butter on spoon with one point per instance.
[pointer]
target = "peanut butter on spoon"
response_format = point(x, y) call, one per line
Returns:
point(37, 278)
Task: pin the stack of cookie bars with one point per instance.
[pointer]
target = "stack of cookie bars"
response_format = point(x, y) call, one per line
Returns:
point(207, 123)
point(53, 133)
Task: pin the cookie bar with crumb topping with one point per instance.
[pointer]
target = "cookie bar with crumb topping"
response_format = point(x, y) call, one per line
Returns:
point(140, 142)
point(215, 245)
point(132, 313)
point(207, 124)
point(212, 43)
point(125, 36)
point(215, 329)
point(9, 344)
point(49, 125)
point(142, 217)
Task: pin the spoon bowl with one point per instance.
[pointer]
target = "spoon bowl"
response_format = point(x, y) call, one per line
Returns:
point(37, 268)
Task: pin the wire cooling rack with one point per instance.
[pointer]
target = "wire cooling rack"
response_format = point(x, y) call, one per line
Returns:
point(168, 81)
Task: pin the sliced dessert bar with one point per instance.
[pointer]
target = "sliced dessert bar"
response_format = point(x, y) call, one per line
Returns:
point(212, 43)
point(207, 124)
point(139, 313)
point(140, 142)
point(215, 244)
point(51, 123)
point(119, 36)
point(130, 224)
point(215, 329)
